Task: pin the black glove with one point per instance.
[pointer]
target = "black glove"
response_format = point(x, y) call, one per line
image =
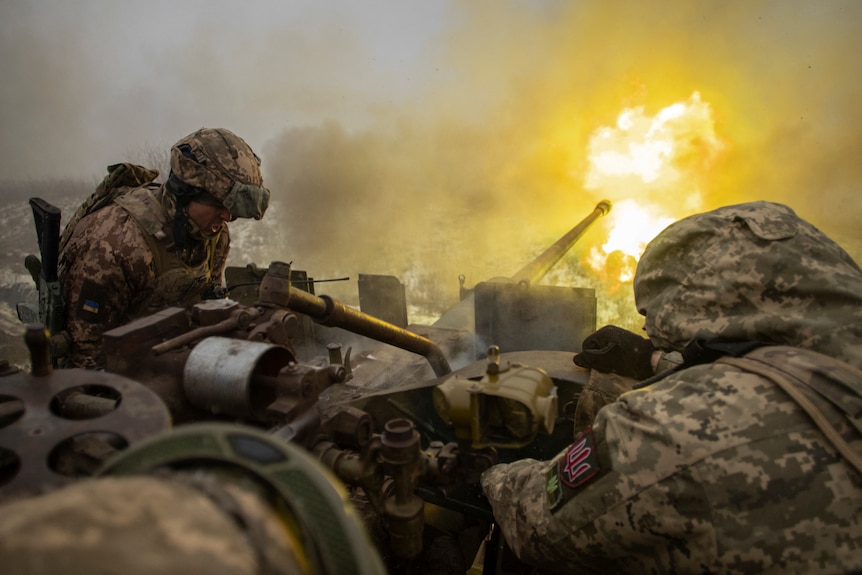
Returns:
point(613, 349)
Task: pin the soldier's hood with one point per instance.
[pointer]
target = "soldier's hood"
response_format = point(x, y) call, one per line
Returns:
point(751, 272)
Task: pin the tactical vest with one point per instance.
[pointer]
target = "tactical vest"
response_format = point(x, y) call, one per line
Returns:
point(177, 283)
point(827, 389)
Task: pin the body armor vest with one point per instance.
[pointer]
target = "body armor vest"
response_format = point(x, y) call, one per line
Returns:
point(827, 389)
point(178, 282)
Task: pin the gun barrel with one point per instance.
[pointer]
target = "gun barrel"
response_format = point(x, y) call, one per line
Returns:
point(462, 316)
point(536, 269)
point(332, 313)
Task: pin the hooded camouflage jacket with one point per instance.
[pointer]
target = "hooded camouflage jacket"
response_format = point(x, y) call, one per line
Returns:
point(120, 264)
point(713, 469)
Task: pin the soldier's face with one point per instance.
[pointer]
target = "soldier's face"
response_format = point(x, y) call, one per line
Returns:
point(208, 218)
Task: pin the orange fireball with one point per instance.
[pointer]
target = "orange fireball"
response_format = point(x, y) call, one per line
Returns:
point(651, 167)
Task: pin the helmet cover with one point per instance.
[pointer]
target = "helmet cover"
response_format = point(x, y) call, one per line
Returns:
point(222, 164)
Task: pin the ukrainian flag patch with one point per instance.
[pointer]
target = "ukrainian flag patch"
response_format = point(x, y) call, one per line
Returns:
point(92, 301)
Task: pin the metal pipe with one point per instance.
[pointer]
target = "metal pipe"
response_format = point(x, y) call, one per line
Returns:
point(404, 510)
point(346, 464)
point(536, 269)
point(332, 313)
point(238, 319)
point(462, 315)
point(300, 428)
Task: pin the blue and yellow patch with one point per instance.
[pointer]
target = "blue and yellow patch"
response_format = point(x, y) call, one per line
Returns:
point(92, 301)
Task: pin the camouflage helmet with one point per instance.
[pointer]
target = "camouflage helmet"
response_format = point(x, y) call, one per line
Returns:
point(751, 272)
point(222, 164)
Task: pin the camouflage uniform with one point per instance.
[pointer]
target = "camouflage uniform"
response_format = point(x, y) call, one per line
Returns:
point(109, 276)
point(138, 525)
point(124, 260)
point(713, 468)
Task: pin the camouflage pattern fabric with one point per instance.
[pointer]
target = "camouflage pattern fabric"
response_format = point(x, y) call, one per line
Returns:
point(666, 360)
point(601, 390)
point(109, 275)
point(713, 469)
point(604, 388)
point(221, 163)
point(119, 176)
point(144, 525)
point(753, 272)
point(215, 159)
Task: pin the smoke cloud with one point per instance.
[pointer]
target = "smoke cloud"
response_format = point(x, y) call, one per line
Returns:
point(432, 142)
point(487, 165)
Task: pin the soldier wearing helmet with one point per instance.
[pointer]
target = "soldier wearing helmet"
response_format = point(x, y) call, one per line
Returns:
point(745, 458)
point(157, 245)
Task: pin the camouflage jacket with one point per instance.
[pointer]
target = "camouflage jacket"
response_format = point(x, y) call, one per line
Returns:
point(714, 469)
point(120, 264)
point(142, 525)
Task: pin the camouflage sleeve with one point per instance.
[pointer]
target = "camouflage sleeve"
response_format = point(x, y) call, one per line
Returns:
point(516, 492)
point(526, 496)
point(667, 360)
point(601, 389)
point(130, 525)
point(615, 500)
point(709, 470)
point(107, 266)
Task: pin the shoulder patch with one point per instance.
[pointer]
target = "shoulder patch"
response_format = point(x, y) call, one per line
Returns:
point(571, 470)
point(91, 302)
point(579, 464)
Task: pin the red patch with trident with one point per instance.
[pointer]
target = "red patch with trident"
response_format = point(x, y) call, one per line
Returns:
point(580, 462)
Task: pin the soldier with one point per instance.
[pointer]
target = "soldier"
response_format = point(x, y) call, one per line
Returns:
point(156, 246)
point(219, 499)
point(740, 459)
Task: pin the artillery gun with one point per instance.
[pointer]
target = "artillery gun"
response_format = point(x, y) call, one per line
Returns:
point(407, 424)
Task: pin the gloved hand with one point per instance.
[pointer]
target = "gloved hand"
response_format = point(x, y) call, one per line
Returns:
point(613, 349)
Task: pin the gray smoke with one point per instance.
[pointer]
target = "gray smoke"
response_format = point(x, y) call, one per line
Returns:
point(462, 155)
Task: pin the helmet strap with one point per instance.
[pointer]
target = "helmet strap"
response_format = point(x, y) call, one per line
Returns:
point(182, 193)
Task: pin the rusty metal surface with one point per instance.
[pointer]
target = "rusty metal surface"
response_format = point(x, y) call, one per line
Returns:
point(29, 438)
point(219, 374)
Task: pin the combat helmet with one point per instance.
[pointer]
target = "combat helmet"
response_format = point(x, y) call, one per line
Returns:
point(218, 163)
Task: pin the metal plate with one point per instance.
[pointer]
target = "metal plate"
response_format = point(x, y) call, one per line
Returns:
point(38, 430)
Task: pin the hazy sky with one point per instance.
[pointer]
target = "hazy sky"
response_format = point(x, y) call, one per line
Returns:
point(86, 81)
point(397, 122)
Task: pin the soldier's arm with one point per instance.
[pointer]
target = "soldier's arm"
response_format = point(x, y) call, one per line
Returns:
point(534, 508)
point(589, 508)
point(107, 267)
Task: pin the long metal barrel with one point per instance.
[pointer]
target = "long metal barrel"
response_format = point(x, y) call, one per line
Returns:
point(332, 313)
point(462, 315)
point(536, 269)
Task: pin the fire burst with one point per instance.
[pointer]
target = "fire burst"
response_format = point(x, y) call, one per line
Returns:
point(633, 226)
point(651, 168)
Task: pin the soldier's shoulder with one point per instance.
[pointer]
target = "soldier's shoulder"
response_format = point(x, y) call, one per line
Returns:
point(109, 232)
point(105, 221)
point(705, 404)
